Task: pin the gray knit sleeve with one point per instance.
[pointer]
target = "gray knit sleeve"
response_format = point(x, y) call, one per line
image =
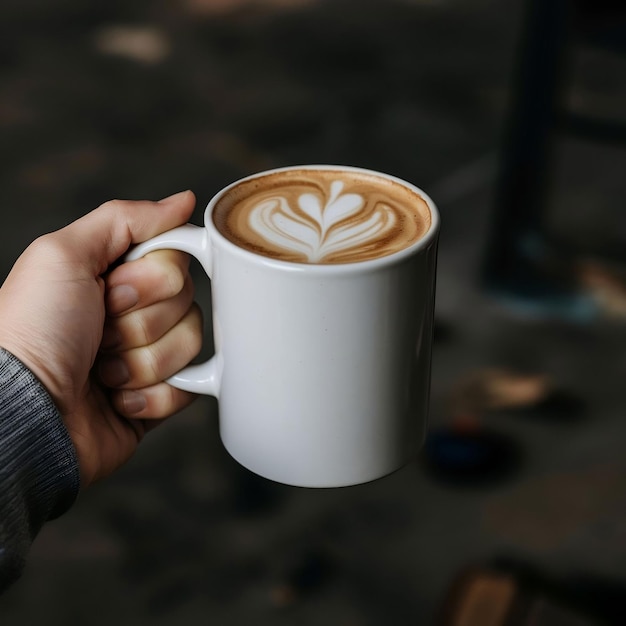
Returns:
point(39, 477)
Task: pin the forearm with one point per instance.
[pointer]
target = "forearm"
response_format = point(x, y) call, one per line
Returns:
point(39, 476)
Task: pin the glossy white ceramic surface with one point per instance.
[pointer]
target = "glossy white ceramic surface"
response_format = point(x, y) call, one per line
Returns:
point(322, 372)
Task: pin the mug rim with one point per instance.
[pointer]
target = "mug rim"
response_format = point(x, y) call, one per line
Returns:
point(422, 243)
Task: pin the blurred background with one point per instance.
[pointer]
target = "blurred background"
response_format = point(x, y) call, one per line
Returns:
point(511, 115)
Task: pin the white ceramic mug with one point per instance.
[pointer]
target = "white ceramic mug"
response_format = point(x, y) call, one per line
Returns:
point(322, 372)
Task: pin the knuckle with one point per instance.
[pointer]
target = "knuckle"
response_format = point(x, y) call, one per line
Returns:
point(48, 247)
point(166, 273)
point(140, 329)
point(164, 401)
point(152, 363)
point(176, 279)
point(114, 206)
point(170, 397)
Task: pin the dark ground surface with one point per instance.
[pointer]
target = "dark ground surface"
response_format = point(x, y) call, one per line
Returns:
point(183, 535)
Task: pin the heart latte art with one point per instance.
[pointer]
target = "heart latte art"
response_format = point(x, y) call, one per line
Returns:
point(322, 216)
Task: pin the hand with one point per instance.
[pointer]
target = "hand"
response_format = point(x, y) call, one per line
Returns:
point(102, 340)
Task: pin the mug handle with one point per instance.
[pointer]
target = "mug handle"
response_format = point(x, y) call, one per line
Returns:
point(205, 377)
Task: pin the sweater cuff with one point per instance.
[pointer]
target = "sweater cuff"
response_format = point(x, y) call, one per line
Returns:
point(38, 463)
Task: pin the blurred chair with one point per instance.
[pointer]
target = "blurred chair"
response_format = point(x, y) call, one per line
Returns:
point(519, 264)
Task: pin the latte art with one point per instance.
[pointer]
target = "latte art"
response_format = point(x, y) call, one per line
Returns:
point(317, 230)
point(310, 216)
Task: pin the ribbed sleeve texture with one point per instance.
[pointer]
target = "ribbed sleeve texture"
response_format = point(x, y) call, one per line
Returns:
point(39, 476)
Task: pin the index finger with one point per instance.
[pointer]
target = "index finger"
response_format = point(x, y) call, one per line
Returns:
point(158, 276)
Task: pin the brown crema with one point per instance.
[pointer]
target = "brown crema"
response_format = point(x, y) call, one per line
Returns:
point(322, 216)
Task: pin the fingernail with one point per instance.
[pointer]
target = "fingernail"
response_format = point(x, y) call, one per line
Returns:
point(113, 372)
point(121, 298)
point(173, 197)
point(134, 402)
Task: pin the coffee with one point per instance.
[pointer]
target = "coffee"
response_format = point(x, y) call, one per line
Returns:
point(322, 216)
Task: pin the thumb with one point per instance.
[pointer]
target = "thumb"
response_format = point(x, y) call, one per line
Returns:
point(104, 235)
